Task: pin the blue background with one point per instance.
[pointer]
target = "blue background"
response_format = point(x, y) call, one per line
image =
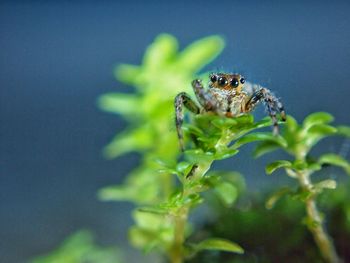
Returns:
point(56, 57)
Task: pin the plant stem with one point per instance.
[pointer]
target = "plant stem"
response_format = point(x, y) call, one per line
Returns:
point(180, 220)
point(321, 237)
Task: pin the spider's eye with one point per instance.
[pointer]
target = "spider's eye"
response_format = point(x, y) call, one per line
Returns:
point(242, 80)
point(234, 82)
point(213, 78)
point(222, 81)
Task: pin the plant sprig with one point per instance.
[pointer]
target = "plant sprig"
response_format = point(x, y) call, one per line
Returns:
point(299, 140)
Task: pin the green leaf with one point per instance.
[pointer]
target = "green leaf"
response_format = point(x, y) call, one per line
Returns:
point(151, 221)
point(318, 132)
point(127, 73)
point(219, 244)
point(260, 136)
point(227, 153)
point(344, 130)
point(134, 140)
point(161, 52)
point(124, 104)
point(143, 238)
point(271, 201)
point(317, 118)
point(80, 247)
point(114, 193)
point(276, 165)
point(322, 130)
point(325, 184)
point(197, 156)
point(334, 159)
point(200, 53)
point(265, 147)
point(141, 186)
point(227, 192)
point(292, 124)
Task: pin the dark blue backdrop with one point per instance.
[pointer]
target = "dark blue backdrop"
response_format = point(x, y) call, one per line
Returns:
point(56, 57)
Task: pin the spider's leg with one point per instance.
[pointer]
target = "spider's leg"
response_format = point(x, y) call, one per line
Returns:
point(273, 105)
point(183, 99)
point(206, 100)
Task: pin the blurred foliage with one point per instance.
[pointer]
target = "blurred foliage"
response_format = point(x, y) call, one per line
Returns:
point(298, 141)
point(161, 219)
point(163, 204)
point(165, 71)
point(80, 248)
point(276, 235)
point(168, 184)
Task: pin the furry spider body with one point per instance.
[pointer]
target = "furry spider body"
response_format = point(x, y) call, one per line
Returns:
point(229, 96)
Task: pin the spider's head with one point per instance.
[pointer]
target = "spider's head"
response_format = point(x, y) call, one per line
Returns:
point(227, 81)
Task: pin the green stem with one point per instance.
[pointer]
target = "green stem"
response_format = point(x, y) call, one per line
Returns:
point(177, 253)
point(321, 237)
point(180, 218)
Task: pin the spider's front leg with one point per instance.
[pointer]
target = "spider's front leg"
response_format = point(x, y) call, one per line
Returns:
point(206, 100)
point(273, 105)
point(183, 99)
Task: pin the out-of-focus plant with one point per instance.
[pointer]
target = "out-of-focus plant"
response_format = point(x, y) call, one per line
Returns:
point(163, 204)
point(275, 235)
point(80, 248)
point(298, 142)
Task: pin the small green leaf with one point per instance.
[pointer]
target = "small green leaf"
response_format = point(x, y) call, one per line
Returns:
point(153, 210)
point(200, 53)
point(334, 159)
point(182, 167)
point(292, 124)
point(227, 192)
point(317, 118)
point(318, 132)
point(196, 156)
point(160, 52)
point(127, 73)
point(325, 184)
point(265, 147)
point(229, 152)
point(114, 193)
point(271, 201)
point(124, 104)
point(322, 129)
point(142, 238)
point(344, 130)
point(219, 244)
point(260, 136)
point(192, 129)
point(135, 140)
point(276, 165)
point(151, 221)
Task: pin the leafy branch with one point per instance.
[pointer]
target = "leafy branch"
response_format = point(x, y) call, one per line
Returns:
point(298, 142)
point(164, 205)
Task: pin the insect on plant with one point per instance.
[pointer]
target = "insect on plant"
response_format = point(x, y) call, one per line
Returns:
point(227, 96)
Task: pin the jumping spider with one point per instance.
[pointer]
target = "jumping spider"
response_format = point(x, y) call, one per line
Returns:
point(227, 96)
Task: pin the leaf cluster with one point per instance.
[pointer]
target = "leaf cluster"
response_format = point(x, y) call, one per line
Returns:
point(298, 140)
point(80, 247)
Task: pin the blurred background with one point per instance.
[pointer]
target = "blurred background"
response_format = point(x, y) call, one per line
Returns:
point(57, 57)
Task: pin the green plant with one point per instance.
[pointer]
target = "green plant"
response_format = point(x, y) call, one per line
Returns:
point(276, 235)
point(298, 142)
point(79, 248)
point(163, 204)
point(168, 185)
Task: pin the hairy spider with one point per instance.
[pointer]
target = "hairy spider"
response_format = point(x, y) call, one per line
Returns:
point(229, 96)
